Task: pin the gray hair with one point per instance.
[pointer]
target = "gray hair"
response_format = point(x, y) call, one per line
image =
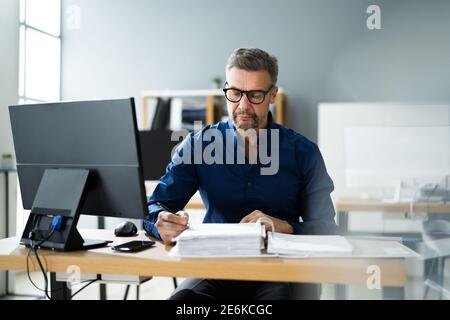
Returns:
point(254, 59)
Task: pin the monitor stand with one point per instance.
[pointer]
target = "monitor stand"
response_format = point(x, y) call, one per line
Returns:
point(85, 244)
point(61, 192)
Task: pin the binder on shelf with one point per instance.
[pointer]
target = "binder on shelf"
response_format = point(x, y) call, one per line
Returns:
point(184, 112)
point(162, 114)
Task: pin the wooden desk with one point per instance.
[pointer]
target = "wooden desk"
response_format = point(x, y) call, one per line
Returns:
point(346, 205)
point(155, 262)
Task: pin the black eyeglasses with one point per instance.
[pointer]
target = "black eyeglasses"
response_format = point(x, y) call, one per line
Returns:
point(254, 96)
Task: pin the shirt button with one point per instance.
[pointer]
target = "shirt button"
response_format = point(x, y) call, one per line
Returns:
point(249, 184)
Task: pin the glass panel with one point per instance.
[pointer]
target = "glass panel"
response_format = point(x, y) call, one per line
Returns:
point(22, 11)
point(22, 61)
point(42, 66)
point(44, 15)
point(29, 101)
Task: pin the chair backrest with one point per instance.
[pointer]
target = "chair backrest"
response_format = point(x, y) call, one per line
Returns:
point(436, 235)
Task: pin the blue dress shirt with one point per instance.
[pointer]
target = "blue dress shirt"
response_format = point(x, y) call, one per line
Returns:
point(298, 193)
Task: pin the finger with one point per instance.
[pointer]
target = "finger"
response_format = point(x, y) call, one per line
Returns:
point(169, 235)
point(252, 217)
point(249, 217)
point(183, 213)
point(167, 225)
point(173, 218)
point(245, 219)
point(268, 226)
point(173, 234)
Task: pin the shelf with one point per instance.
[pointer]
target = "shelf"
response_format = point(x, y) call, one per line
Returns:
point(214, 106)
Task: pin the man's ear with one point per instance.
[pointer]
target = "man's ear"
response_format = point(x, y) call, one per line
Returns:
point(273, 94)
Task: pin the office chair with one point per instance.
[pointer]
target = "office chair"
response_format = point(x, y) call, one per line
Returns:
point(127, 289)
point(436, 235)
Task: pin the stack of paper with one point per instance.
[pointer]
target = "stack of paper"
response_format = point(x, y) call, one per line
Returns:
point(300, 245)
point(222, 239)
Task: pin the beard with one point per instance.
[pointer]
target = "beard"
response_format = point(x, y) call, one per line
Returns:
point(252, 123)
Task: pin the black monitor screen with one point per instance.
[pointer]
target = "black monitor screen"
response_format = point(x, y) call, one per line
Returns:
point(100, 136)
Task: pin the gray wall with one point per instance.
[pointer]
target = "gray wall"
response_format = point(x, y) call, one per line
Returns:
point(325, 50)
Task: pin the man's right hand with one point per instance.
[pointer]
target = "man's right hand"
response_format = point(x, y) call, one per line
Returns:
point(170, 225)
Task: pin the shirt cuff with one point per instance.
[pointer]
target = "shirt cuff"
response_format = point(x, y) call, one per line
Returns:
point(151, 229)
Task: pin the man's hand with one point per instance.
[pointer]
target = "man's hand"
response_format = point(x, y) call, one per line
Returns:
point(280, 225)
point(170, 225)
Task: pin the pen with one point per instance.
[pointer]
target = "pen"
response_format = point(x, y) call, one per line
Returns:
point(169, 210)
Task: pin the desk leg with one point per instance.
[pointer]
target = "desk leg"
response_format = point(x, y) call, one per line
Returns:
point(101, 225)
point(342, 221)
point(59, 290)
point(340, 291)
point(102, 291)
point(6, 224)
point(7, 204)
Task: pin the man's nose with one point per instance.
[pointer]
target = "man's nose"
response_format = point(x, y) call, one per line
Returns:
point(244, 104)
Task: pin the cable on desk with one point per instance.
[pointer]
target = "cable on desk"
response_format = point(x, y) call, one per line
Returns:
point(84, 287)
point(55, 226)
point(51, 291)
point(34, 249)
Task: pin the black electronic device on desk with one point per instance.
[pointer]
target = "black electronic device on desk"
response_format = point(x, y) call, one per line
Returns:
point(76, 158)
point(134, 246)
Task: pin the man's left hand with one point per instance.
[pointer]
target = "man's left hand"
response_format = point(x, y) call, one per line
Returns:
point(280, 225)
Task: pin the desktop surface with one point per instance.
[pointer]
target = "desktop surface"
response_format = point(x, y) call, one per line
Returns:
point(156, 262)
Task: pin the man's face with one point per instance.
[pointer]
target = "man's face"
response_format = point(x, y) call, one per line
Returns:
point(245, 114)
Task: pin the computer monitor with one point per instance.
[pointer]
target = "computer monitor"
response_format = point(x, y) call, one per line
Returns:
point(77, 158)
point(156, 150)
point(397, 160)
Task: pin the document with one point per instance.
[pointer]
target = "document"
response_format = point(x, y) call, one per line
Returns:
point(302, 245)
point(234, 240)
point(222, 239)
point(249, 239)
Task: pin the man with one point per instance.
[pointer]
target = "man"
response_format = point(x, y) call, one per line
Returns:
point(296, 197)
